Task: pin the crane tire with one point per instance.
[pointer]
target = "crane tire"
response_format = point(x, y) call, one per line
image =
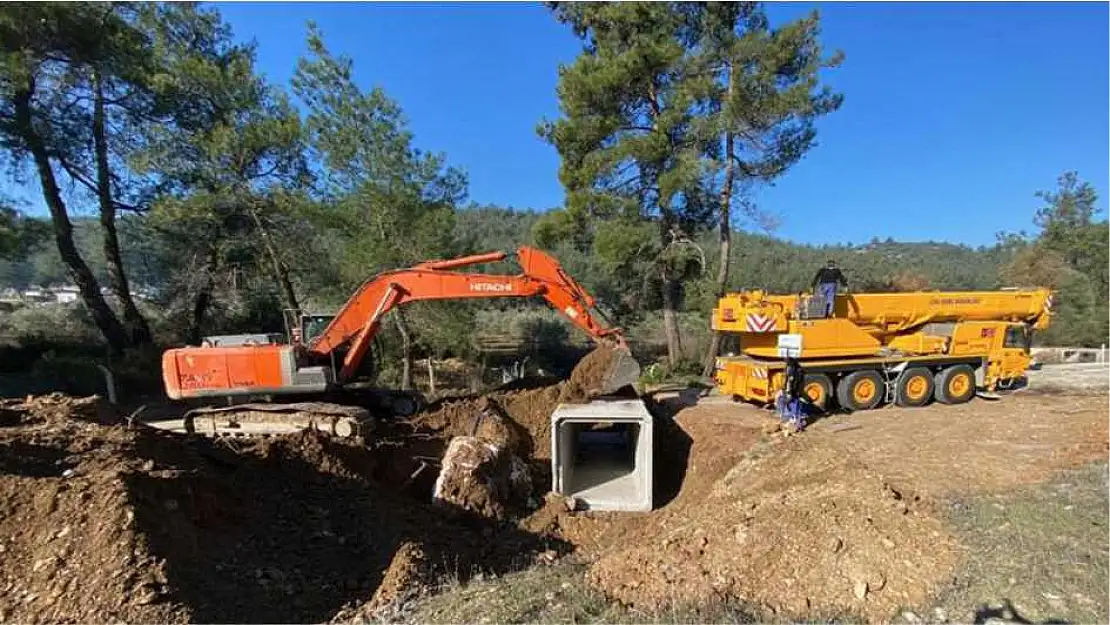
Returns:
point(955, 384)
point(819, 389)
point(860, 390)
point(915, 387)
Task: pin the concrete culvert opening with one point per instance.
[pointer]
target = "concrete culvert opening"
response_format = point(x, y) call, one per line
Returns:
point(602, 454)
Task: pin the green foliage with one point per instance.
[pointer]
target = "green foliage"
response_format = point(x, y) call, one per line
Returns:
point(19, 234)
point(233, 203)
point(376, 183)
point(1069, 255)
point(1068, 227)
point(670, 111)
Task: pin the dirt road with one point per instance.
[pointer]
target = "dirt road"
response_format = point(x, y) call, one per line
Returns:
point(1093, 377)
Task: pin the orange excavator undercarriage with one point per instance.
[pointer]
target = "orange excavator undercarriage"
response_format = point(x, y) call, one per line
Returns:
point(322, 369)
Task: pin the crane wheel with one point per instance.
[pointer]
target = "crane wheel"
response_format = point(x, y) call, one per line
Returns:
point(915, 387)
point(955, 385)
point(860, 390)
point(818, 388)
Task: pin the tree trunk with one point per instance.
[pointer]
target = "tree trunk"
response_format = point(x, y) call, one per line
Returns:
point(724, 224)
point(672, 289)
point(79, 272)
point(202, 301)
point(281, 270)
point(138, 330)
point(670, 318)
point(406, 349)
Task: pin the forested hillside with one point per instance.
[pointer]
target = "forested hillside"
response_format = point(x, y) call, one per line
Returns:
point(187, 195)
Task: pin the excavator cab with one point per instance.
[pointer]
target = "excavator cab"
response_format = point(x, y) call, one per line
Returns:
point(302, 328)
point(314, 325)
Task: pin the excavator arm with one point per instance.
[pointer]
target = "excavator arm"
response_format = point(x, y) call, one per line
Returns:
point(360, 318)
point(249, 368)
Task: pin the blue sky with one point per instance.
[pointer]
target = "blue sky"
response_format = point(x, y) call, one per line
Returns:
point(954, 114)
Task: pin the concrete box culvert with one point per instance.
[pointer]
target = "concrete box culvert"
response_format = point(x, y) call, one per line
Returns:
point(601, 454)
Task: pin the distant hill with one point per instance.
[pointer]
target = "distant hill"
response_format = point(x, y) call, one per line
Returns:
point(759, 261)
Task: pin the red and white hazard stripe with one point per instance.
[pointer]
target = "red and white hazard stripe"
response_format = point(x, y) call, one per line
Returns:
point(759, 323)
point(759, 374)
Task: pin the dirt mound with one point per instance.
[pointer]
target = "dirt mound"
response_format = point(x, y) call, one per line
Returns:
point(529, 409)
point(106, 523)
point(516, 423)
point(527, 427)
point(71, 549)
point(792, 524)
point(825, 535)
point(55, 408)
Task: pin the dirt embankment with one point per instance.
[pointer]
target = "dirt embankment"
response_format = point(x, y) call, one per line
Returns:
point(846, 518)
point(102, 523)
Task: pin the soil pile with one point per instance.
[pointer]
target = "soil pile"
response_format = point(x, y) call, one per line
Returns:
point(525, 423)
point(56, 408)
point(792, 524)
point(527, 410)
point(70, 548)
point(821, 535)
point(497, 462)
point(106, 523)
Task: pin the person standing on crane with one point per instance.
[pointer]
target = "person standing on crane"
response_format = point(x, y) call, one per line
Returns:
point(825, 285)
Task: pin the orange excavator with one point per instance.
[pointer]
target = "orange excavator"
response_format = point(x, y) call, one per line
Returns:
point(324, 369)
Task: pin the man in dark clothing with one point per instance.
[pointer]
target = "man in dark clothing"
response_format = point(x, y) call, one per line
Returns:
point(825, 284)
point(791, 402)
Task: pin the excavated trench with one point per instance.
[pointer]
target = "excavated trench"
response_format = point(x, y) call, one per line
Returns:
point(103, 521)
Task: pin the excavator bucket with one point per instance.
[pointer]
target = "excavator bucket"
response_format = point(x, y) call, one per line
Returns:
point(604, 371)
point(623, 371)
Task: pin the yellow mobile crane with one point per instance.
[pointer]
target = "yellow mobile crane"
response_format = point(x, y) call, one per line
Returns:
point(902, 348)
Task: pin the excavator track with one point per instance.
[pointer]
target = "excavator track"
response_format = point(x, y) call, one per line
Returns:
point(263, 420)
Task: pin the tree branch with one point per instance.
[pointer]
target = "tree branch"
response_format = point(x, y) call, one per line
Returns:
point(75, 174)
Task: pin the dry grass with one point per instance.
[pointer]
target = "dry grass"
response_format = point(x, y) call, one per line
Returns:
point(1042, 550)
point(555, 594)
